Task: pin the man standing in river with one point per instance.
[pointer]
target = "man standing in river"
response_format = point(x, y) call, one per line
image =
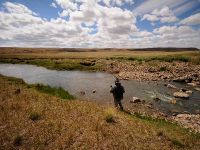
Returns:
point(118, 91)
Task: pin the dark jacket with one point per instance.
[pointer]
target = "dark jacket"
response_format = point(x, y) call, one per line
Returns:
point(117, 91)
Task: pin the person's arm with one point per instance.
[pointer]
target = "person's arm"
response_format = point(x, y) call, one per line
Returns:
point(123, 89)
point(111, 91)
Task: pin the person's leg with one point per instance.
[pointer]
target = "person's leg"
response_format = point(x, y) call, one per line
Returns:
point(120, 104)
point(115, 102)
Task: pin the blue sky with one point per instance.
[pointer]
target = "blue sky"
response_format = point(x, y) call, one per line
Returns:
point(100, 23)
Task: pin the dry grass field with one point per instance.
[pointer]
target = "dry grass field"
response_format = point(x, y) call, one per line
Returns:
point(87, 53)
point(31, 119)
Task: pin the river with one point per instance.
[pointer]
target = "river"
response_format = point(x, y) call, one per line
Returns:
point(79, 82)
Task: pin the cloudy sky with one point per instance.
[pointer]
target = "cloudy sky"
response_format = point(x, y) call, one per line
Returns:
point(100, 23)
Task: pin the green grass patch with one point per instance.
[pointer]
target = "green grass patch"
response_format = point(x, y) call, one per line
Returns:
point(177, 143)
point(15, 80)
point(55, 91)
point(167, 58)
point(58, 64)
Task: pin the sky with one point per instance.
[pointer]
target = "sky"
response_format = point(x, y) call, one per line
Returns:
point(100, 23)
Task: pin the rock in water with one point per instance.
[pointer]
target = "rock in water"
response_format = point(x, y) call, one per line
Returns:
point(156, 99)
point(82, 92)
point(135, 100)
point(173, 101)
point(171, 86)
point(181, 95)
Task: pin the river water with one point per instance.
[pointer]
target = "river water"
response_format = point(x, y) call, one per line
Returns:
point(79, 82)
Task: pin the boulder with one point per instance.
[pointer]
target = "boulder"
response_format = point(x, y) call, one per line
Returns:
point(197, 89)
point(156, 99)
point(94, 91)
point(135, 100)
point(171, 86)
point(186, 91)
point(188, 78)
point(180, 79)
point(183, 90)
point(82, 92)
point(87, 63)
point(189, 92)
point(173, 101)
point(149, 106)
point(152, 70)
point(181, 95)
point(192, 84)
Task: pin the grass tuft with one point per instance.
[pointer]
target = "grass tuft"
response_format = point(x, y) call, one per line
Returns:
point(110, 115)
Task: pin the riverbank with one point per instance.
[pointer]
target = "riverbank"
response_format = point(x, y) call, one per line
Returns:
point(124, 64)
point(31, 119)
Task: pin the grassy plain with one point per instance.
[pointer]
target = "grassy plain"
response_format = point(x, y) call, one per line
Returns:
point(32, 119)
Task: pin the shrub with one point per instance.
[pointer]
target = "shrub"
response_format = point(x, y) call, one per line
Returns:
point(34, 116)
point(17, 140)
point(163, 69)
point(160, 133)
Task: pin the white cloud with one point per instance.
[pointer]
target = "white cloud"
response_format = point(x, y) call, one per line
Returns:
point(17, 8)
point(111, 27)
point(169, 19)
point(116, 2)
point(64, 13)
point(150, 17)
point(163, 12)
point(53, 5)
point(165, 15)
point(185, 7)
point(183, 36)
point(67, 4)
point(192, 20)
point(149, 5)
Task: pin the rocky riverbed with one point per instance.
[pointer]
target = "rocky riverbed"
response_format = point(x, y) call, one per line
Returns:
point(189, 121)
point(151, 71)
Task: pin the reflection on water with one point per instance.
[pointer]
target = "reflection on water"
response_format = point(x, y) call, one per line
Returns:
point(77, 81)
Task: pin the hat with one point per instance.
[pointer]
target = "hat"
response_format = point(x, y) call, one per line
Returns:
point(117, 81)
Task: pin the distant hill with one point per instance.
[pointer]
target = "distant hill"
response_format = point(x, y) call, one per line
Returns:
point(167, 49)
point(95, 49)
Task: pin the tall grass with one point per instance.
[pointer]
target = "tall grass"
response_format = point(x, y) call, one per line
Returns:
point(55, 91)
